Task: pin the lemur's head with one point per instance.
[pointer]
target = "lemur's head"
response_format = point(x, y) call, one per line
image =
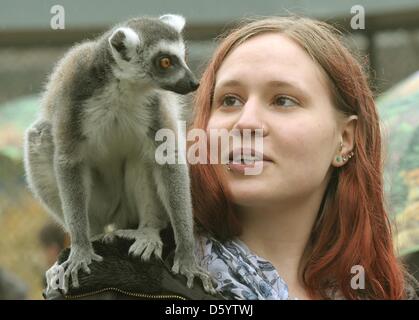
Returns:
point(152, 50)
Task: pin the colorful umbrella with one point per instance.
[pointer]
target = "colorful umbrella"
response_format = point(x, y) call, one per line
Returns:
point(399, 112)
point(15, 117)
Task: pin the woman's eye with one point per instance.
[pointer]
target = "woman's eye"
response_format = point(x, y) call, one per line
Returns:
point(284, 101)
point(230, 101)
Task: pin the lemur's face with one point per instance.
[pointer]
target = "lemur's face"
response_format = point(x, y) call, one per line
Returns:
point(153, 52)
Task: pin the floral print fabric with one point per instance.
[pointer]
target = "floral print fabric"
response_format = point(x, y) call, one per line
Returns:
point(239, 273)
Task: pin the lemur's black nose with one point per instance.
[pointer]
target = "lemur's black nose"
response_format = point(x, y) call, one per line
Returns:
point(194, 85)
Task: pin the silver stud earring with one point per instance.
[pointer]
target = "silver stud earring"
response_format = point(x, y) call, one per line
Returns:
point(228, 167)
point(347, 157)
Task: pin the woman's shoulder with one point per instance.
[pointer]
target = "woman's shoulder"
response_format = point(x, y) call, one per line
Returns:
point(121, 276)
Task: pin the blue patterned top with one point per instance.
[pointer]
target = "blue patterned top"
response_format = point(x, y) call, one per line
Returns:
point(238, 272)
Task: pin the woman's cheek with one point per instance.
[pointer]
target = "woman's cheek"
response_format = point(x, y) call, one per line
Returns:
point(298, 147)
point(217, 121)
point(309, 151)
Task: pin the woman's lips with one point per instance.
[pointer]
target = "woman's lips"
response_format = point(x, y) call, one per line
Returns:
point(240, 167)
point(248, 152)
point(249, 166)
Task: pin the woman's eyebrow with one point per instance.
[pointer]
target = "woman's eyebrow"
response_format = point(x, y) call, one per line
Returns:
point(272, 83)
point(228, 83)
point(295, 86)
point(288, 84)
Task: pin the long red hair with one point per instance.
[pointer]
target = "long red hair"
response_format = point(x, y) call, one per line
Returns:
point(352, 225)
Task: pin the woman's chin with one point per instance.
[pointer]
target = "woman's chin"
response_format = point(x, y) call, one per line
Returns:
point(247, 196)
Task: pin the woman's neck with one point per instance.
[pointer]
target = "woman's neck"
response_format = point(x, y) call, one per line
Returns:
point(279, 233)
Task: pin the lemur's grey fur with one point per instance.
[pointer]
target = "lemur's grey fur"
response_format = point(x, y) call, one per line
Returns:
point(90, 157)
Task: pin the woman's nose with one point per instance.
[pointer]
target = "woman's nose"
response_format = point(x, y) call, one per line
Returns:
point(251, 117)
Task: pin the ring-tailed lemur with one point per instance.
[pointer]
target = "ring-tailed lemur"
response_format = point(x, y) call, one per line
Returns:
point(90, 157)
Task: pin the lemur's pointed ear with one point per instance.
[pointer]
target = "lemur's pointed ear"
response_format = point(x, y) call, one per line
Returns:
point(124, 42)
point(174, 20)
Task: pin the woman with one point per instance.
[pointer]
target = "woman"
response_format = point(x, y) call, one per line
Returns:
point(313, 224)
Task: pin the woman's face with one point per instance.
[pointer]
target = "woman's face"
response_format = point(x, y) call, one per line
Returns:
point(270, 82)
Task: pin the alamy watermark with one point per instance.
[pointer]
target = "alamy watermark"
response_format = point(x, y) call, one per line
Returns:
point(358, 280)
point(58, 19)
point(55, 277)
point(235, 146)
point(358, 19)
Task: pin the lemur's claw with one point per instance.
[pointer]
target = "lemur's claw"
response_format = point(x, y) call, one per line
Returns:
point(147, 242)
point(187, 266)
point(79, 258)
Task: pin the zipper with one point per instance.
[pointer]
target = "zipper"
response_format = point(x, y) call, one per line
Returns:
point(132, 294)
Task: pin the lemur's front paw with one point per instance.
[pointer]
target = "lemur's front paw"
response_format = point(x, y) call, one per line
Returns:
point(40, 137)
point(79, 258)
point(185, 264)
point(147, 242)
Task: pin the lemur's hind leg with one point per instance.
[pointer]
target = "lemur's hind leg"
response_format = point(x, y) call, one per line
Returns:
point(173, 187)
point(152, 215)
point(39, 165)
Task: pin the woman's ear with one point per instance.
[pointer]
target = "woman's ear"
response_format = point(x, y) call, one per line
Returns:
point(345, 149)
point(348, 133)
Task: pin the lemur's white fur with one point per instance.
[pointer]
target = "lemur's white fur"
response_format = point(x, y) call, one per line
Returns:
point(131, 42)
point(176, 48)
point(176, 21)
point(131, 37)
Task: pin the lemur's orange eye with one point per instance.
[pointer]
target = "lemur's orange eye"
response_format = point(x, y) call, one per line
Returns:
point(165, 63)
